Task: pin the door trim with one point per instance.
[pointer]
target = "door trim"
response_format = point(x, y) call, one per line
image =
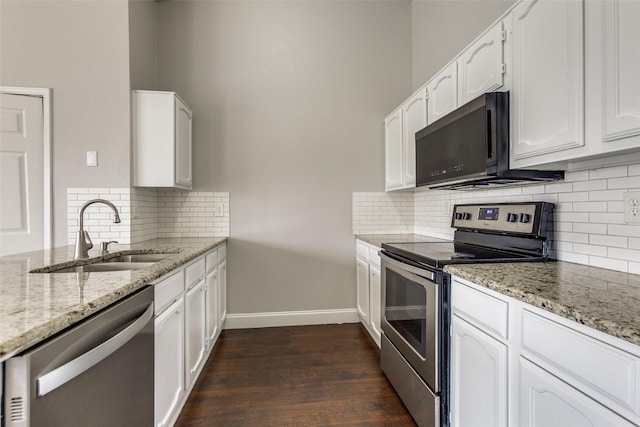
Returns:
point(45, 94)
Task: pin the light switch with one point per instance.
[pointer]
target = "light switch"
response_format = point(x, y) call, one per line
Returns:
point(92, 158)
point(218, 209)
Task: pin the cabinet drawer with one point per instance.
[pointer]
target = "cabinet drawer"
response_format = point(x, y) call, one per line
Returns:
point(600, 370)
point(482, 310)
point(168, 290)
point(362, 251)
point(194, 273)
point(211, 260)
point(222, 252)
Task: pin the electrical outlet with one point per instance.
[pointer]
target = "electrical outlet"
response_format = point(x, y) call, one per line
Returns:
point(218, 209)
point(632, 207)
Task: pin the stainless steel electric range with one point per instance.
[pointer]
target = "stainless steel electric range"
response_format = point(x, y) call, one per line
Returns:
point(415, 295)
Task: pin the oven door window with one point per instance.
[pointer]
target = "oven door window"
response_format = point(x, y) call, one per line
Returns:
point(406, 310)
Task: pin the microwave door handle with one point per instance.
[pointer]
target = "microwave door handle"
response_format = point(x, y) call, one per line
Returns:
point(490, 140)
point(61, 375)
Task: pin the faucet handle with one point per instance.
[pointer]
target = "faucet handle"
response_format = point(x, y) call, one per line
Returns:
point(104, 247)
point(87, 239)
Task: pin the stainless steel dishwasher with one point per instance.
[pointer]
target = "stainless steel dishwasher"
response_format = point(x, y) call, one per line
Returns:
point(99, 373)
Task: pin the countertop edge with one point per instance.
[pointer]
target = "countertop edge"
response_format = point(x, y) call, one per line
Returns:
point(33, 336)
point(607, 326)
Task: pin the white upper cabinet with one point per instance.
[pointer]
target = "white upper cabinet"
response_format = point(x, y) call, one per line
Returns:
point(393, 150)
point(400, 141)
point(414, 118)
point(548, 84)
point(162, 132)
point(621, 69)
point(481, 66)
point(612, 68)
point(442, 91)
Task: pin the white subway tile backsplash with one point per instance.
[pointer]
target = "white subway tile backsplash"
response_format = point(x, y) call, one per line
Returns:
point(613, 241)
point(590, 227)
point(593, 185)
point(148, 214)
point(610, 172)
point(627, 183)
point(610, 263)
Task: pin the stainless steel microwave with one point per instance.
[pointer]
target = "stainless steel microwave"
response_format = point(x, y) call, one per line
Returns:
point(469, 147)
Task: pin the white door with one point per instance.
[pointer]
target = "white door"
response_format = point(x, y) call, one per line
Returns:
point(481, 66)
point(621, 69)
point(414, 118)
point(169, 362)
point(442, 91)
point(478, 377)
point(362, 289)
point(374, 302)
point(24, 197)
point(546, 401)
point(393, 150)
point(195, 323)
point(548, 87)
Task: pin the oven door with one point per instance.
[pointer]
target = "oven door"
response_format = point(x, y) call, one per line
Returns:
point(411, 316)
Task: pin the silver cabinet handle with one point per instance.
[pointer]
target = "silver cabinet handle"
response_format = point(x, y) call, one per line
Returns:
point(59, 376)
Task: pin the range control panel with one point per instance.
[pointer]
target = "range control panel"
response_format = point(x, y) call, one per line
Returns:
point(502, 217)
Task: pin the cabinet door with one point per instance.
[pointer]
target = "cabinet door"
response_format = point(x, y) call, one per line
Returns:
point(375, 302)
point(548, 82)
point(222, 293)
point(393, 150)
point(481, 66)
point(414, 118)
point(183, 145)
point(442, 91)
point(545, 401)
point(363, 290)
point(169, 362)
point(478, 377)
point(621, 69)
point(212, 306)
point(195, 321)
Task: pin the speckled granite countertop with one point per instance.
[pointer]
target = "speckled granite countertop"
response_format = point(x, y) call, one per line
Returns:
point(606, 300)
point(379, 239)
point(34, 306)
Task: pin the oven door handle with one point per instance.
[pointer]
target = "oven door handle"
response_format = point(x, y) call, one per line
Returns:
point(407, 265)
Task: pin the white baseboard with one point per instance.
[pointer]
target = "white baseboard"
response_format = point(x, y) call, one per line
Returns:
point(290, 318)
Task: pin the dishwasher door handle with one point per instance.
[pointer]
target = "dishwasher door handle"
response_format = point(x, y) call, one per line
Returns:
point(59, 376)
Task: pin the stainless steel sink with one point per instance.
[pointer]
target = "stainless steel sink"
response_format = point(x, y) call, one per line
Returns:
point(116, 263)
point(102, 266)
point(137, 258)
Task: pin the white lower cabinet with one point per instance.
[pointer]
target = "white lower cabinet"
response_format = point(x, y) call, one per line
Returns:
point(169, 362)
point(187, 324)
point(362, 291)
point(211, 309)
point(222, 293)
point(479, 377)
point(375, 302)
point(546, 371)
point(546, 401)
point(195, 335)
point(368, 288)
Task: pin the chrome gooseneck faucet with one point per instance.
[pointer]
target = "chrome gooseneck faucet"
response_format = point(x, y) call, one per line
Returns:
point(83, 241)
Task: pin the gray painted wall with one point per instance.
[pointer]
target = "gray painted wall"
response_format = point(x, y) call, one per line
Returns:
point(80, 50)
point(288, 100)
point(442, 28)
point(142, 44)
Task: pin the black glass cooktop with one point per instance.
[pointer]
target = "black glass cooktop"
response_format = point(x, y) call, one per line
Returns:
point(438, 254)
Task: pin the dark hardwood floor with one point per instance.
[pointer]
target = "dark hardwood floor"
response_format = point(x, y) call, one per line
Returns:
point(320, 375)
